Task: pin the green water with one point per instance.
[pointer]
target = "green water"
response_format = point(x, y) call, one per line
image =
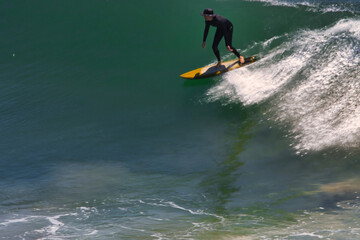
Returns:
point(101, 138)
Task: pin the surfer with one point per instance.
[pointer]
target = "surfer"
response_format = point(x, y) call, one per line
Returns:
point(224, 28)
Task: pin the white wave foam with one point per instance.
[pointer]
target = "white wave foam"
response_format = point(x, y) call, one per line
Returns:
point(162, 203)
point(11, 221)
point(312, 79)
point(261, 80)
point(334, 8)
point(310, 6)
point(54, 227)
point(306, 234)
point(345, 26)
point(50, 229)
point(323, 110)
point(132, 229)
point(333, 224)
point(269, 41)
point(276, 3)
point(197, 212)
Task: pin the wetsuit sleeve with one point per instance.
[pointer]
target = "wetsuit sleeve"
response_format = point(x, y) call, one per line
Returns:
point(206, 31)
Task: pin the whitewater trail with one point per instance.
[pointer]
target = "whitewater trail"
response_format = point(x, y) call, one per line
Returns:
point(311, 82)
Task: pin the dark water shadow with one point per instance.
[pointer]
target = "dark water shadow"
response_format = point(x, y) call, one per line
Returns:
point(220, 184)
point(200, 82)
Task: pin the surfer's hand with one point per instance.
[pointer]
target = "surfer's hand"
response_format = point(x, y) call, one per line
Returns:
point(229, 48)
point(203, 45)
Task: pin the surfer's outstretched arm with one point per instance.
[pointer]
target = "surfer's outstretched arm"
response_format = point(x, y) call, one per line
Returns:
point(206, 31)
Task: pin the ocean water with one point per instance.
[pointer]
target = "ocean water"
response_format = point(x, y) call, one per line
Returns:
point(101, 138)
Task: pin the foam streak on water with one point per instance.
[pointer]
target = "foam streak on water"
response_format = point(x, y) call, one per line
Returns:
point(283, 3)
point(313, 6)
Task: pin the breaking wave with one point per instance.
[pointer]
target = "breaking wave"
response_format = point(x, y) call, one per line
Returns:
point(311, 81)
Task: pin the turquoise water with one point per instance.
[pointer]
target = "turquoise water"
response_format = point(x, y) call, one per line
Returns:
point(101, 138)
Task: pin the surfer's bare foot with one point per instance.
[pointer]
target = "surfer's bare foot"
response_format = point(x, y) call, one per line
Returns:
point(219, 64)
point(242, 59)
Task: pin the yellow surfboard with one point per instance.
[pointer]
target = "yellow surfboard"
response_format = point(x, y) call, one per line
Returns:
point(212, 70)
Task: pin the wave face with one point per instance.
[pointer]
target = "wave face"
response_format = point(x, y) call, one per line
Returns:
point(311, 82)
point(101, 138)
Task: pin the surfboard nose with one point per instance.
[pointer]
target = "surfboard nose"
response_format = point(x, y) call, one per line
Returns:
point(192, 74)
point(187, 75)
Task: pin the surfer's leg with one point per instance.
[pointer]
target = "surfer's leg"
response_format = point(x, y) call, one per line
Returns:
point(218, 36)
point(233, 49)
point(241, 58)
point(229, 36)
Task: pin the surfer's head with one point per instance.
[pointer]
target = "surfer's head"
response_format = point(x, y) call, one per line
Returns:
point(208, 14)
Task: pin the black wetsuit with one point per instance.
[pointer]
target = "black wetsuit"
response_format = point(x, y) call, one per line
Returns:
point(223, 28)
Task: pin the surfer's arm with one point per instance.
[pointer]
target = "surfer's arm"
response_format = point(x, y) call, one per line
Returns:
point(206, 31)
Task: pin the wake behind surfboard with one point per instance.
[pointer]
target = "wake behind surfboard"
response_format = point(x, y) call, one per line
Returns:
point(212, 70)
